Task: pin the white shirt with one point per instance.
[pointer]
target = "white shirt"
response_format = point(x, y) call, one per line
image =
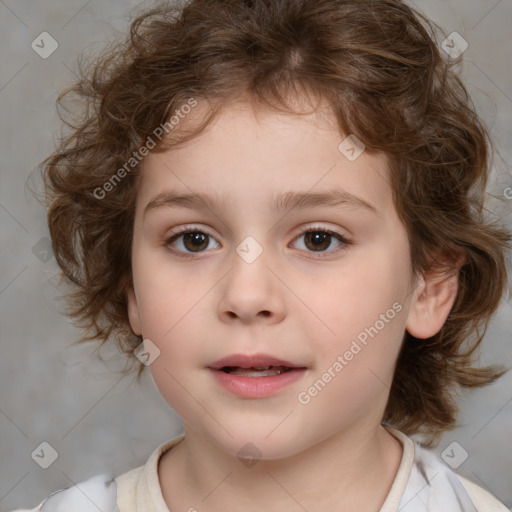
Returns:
point(422, 484)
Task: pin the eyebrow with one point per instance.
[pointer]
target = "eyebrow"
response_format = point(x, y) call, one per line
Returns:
point(282, 204)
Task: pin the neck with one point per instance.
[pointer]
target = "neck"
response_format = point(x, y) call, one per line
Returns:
point(349, 470)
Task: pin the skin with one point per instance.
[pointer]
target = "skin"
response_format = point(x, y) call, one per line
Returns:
point(292, 302)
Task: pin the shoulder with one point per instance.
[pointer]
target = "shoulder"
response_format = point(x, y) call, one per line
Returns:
point(424, 483)
point(448, 487)
point(97, 493)
point(108, 493)
point(483, 500)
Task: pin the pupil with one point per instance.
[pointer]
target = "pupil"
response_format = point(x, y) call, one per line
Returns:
point(319, 239)
point(197, 241)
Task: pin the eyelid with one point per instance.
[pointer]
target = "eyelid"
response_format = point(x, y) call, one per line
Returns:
point(318, 227)
point(189, 227)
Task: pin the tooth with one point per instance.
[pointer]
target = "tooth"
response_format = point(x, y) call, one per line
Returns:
point(251, 372)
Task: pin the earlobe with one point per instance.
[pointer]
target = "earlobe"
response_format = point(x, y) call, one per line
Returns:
point(433, 300)
point(133, 311)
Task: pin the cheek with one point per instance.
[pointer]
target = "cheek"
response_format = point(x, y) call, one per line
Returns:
point(169, 318)
point(352, 300)
point(166, 294)
point(173, 387)
point(174, 328)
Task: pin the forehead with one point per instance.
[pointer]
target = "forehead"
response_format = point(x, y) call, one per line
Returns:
point(250, 156)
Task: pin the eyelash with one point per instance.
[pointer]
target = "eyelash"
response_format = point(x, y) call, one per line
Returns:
point(310, 229)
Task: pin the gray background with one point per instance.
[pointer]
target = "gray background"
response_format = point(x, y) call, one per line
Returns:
point(65, 395)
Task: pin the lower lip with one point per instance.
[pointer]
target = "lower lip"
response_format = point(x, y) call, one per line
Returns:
point(257, 387)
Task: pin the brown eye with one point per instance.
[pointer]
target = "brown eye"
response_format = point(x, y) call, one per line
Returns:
point(195, 241)
point(190, 241)
point(320, 240)
point(317, 240)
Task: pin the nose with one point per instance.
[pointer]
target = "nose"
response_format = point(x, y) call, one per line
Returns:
point(252, 292)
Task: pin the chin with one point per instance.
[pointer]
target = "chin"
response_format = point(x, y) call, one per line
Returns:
point(255, 444)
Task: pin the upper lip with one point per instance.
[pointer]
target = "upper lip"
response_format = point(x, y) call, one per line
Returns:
point(251, 361)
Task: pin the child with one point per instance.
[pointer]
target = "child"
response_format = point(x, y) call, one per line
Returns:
point(276, 205)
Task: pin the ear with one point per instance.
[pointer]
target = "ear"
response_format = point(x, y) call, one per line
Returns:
point(434, 297)
point(133, 310)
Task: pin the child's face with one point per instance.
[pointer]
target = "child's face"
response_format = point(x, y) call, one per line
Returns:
point(293, 302)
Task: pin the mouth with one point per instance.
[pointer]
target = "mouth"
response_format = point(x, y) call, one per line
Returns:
point(265, 371)
point(259, 365)
point(256, 376)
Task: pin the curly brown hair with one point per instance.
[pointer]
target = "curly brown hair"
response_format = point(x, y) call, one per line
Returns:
point(378, 66)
